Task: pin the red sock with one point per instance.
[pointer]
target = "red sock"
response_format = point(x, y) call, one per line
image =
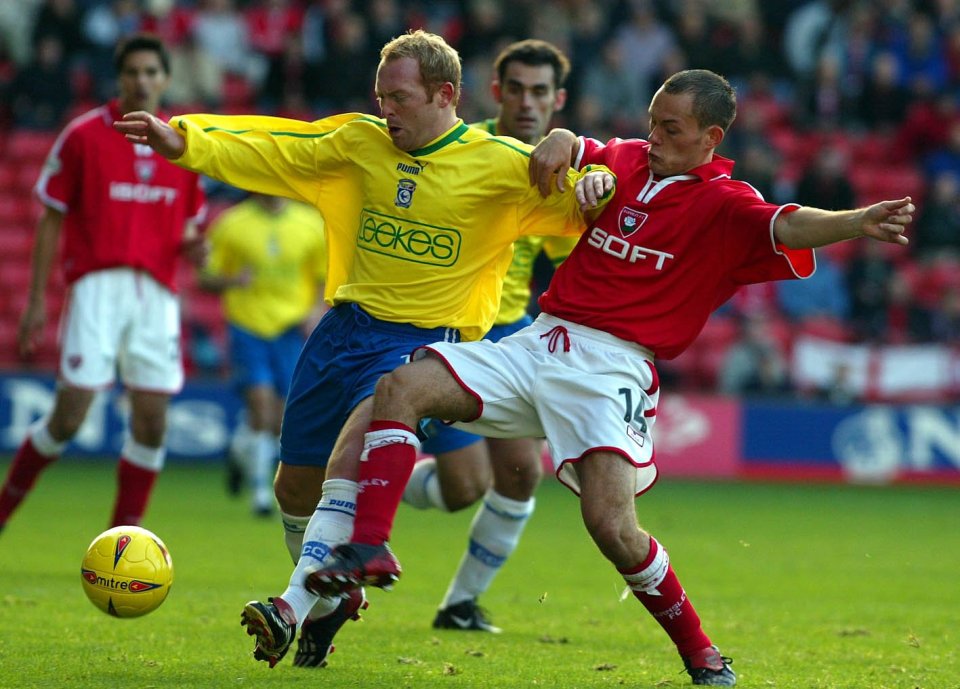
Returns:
point(672, 609)
point(27, 465)
point(134, 486)
point(384, 472)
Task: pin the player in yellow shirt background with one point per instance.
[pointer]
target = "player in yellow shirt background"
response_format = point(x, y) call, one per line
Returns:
point(268, 259)
point(421, 215)
point(528, 88)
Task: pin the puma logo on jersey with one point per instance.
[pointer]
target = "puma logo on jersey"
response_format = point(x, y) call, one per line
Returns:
point(624, 250)
point(411, 169)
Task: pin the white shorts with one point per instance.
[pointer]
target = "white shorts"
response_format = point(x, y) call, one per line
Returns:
point(582, 389)
point(121, 319)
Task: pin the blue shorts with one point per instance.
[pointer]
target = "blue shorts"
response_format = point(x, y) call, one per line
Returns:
point(258, 360)
point(339, 367)
point(444, 438)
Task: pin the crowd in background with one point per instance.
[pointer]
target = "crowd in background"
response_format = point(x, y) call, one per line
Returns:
point(841, 102)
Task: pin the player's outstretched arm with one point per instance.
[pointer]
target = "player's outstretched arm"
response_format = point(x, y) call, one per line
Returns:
point(551, 158)
point(141, 127)
point(808, 228)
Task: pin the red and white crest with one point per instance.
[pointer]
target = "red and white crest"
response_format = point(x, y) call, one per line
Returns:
point(630, 221)
point(145, 169)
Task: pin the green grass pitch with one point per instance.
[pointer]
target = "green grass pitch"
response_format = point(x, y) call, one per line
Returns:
point(807, 586)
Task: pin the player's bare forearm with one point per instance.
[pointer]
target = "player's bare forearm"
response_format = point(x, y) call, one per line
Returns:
point(553, 156)
point(140, 127)
point(34, 316)
point(808, 228)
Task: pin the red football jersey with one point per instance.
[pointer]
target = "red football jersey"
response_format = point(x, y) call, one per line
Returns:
point(665, 253)
point(124, 204)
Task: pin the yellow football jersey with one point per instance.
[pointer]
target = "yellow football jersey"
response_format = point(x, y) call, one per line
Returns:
point(285, 254)
point(422, 237)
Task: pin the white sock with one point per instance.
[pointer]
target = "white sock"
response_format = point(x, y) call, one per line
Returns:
point(494, 535)
point(261, 463)
point(293, 528)
point(330, 525)
point(423, 488)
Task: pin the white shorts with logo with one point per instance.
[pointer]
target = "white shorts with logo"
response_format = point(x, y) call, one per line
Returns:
point(583, 389)
point(121, 319)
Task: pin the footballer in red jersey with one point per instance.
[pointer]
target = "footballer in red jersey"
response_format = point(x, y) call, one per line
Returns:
point(124, 215)
point(676, 240)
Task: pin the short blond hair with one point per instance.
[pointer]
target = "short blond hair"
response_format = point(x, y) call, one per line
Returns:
point(439, 61)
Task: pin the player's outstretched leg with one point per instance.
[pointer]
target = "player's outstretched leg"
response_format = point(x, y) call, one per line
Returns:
point(710, 669)
point(274, 625)
point(353, 565)
point(316, 636)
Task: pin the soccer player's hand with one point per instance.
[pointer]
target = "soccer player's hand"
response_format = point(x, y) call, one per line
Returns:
point(31, 326)
point(140, 127)
point(887, 220)
point(592, 187)
point(550, 159)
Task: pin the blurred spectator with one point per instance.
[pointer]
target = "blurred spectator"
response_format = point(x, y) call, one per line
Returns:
point(938, 225)
point(822, 102)
point(753, 51)
point(104, 24)
point(883, 102)
point(41, 92)
point(348, 69)
point(199, 78)
point(869, 274)
point(754, 364)
point(270, 23)
point(906, 320)
point(384, 21)
point(840, 389)
point(60, 19)
point(611, 98)
point(928, 124)
point(694, 36)
point(756, 165)
point(221, 33)
point(921, 53)
point(947, 158)
point(644, 43)
point(822, 294)
point(824, 184)
point(945, 320)
point(16, 20)
point(814, 30)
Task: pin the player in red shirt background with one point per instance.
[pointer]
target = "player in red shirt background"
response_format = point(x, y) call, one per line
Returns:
point(677, 240)
point(126, 215)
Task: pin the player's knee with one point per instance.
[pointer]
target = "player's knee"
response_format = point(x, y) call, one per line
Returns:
point(518, 476)
point(294, 496)
point(461, 492)
point(392, 392)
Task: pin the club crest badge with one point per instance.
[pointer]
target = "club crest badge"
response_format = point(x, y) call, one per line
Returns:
point(630, 221)
point(405, 189)
point(145, 169)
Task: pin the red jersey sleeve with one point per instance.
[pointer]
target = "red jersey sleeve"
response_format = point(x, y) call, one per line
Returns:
point(58, 185)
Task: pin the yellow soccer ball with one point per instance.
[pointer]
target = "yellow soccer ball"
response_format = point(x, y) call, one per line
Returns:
point(127, 571)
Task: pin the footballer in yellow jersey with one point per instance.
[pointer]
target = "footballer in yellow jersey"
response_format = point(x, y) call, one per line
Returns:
point(268, 259)
point(423, 236)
